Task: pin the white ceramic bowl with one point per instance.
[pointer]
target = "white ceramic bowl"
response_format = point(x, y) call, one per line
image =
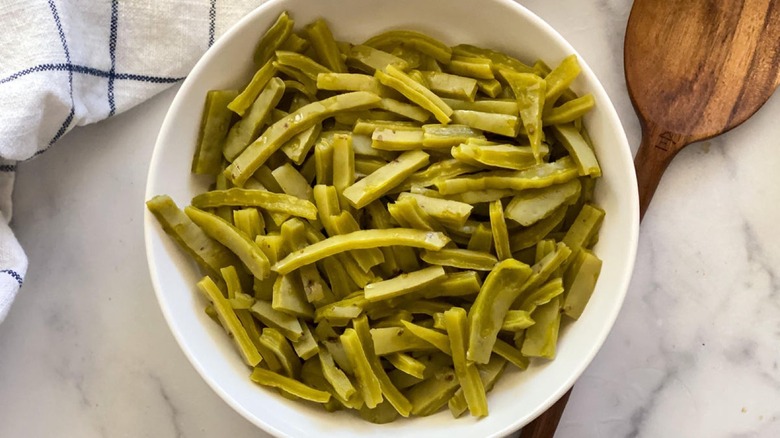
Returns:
point(499, 24)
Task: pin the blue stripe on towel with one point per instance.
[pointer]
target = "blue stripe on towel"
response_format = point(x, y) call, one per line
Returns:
point(75, 68)
point(64, 42)
point(13, 274)
point(112, 55)
point(212, 21)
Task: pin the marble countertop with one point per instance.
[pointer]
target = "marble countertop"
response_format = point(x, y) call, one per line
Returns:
point(85, 351)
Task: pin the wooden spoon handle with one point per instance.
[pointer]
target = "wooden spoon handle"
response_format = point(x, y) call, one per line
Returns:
point(656, 151)
point(544, 426)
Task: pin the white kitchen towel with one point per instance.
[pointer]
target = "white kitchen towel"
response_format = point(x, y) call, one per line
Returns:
point(67, 63)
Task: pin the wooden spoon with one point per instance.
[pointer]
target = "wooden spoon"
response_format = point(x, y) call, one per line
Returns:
point(694, 70)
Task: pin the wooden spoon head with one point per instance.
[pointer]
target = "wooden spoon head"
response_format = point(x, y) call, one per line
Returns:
point(697, 68)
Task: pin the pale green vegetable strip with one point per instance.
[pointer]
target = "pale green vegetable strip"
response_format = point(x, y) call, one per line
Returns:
point(365, 166)
point(559, 79)
point(436, 172)
point(544, 269)
point(443, 136)
point(455, 321)
point(585, 226)
point(430, 395)
point(303, 63)
point(419, 41)
point(541, 295)
point(368, 383)
point(353, 304)
point(569, 111)
point(324, 45)
point(449, 85)
point(249, 221)
point(309, 85)
point(274, 137)
point(579, 150)
point(580, 280)
point(289, 296)
point(222, 183)
point(510, 353)
point(499, 60)
point(536, 232)
point(345, 223)
point(274, 37)
point(292, 182)
point(397, 139)
point(311, 375)
point(502, 155)
point(214, 125)
point(390, 340)
point(529, 90)
point(340, 283)
point(407, 364)
point(449, 213)
point(327, 200)
point(409, 54)
point(207, 253)
point(298, 147)
point(403, 284)
point(316, 289)
point(383, 413)
point(487, 314)
point(503, 124)
point(390, 392)
point(409, 111)
point(290, 386)
point(248, 95)
point(323, 161)
point(241, 301)
point(277, 343)
point(367, 127)
point(232, 282)
point(369, 59)
point(460, 258)
point(290, 85)
point(343, 162)
point(516, 320)
point(478, 68)
point(360, 277)
point(238, 242)
point(488, 373)
point(231, 323)
point(248, 128)
point(530, 206)
point(541, 175)
point(496, 106)
point(273, 202)
point(500, 232)
point(352, 82)
point(542, 337)
point(433, 337)
point(543, 248)
point(491, 87)
point(295, 43)
point(340, 382)
point(408, 214)
point(482, 239)
point(374, 186)
point(415, 92)
point(306, 346)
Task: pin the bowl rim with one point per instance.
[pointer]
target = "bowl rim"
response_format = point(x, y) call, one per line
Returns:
point(607, 111)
